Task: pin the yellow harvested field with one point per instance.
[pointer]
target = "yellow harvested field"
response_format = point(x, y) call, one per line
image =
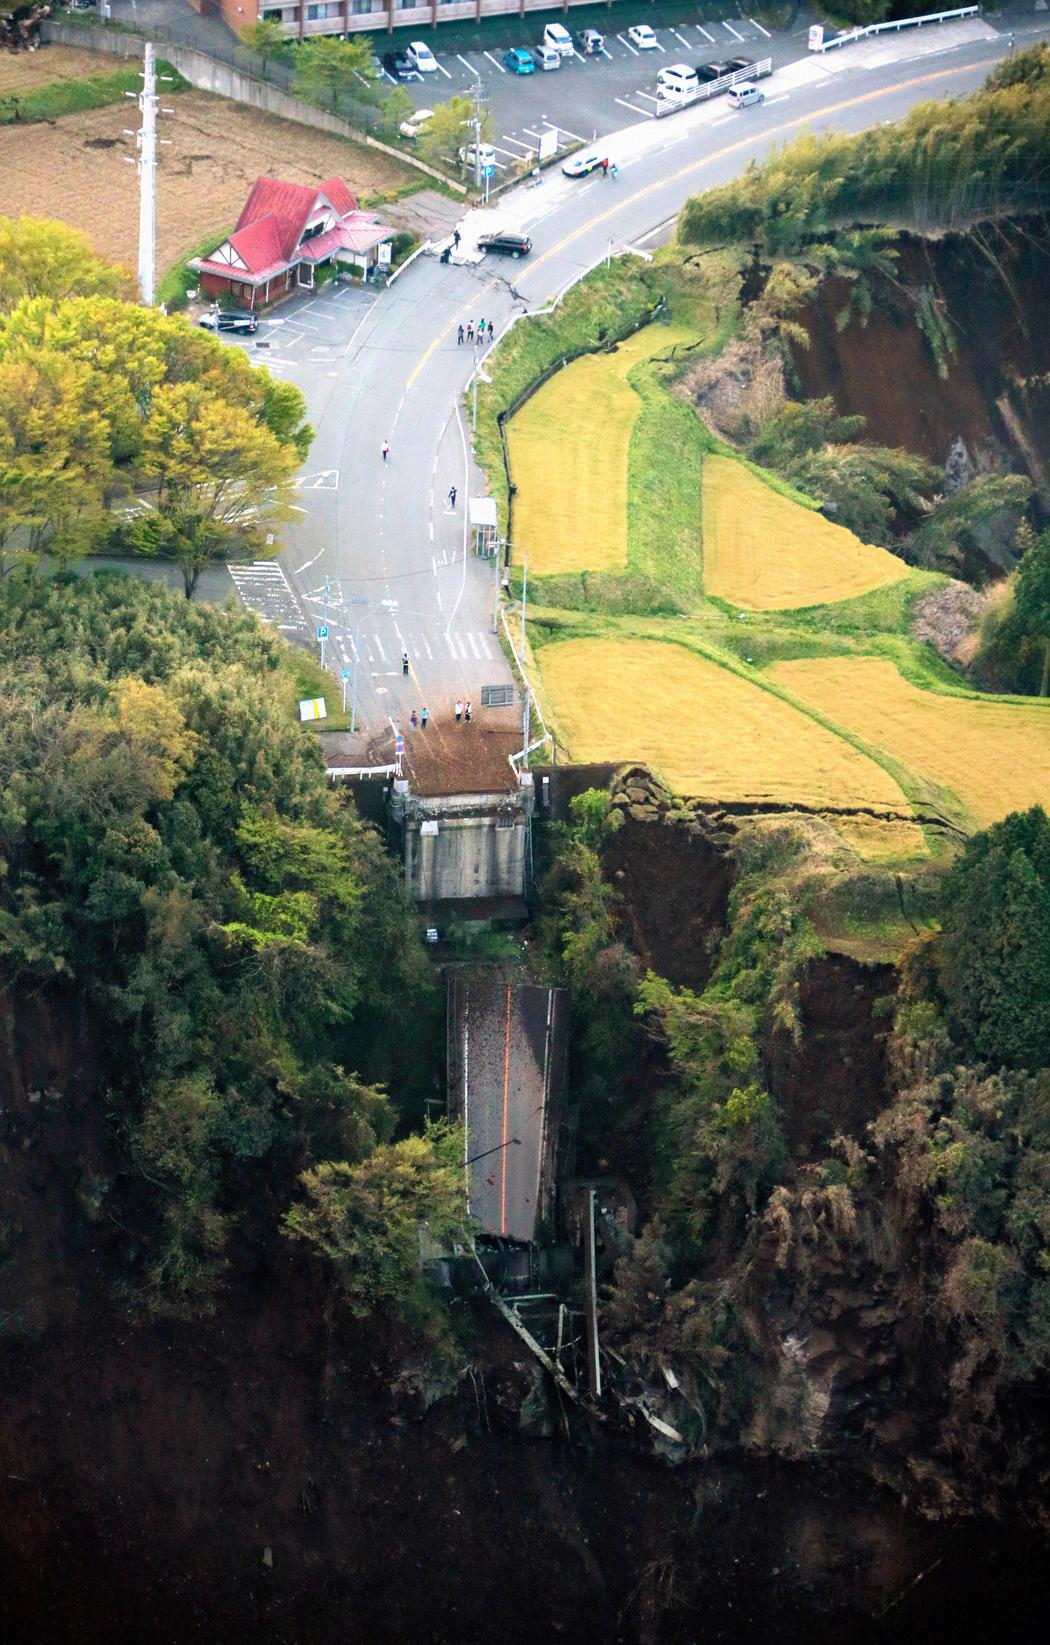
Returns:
point(766, 553)
point(993, 755)
point(882, 838)
point(568, 454)
point(708, 732)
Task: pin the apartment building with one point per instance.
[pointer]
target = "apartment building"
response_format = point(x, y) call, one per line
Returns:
point(303, 18)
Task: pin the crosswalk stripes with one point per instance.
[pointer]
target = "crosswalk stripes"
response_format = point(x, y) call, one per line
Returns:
point(264, 589)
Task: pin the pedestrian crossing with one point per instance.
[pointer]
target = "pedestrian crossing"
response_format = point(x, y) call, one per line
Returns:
point(264, 589)
point(383, 652)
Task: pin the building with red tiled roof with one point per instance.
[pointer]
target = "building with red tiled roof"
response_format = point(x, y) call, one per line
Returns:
point(286, 232)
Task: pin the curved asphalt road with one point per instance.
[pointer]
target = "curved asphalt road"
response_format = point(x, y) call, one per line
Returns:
point(386, 533)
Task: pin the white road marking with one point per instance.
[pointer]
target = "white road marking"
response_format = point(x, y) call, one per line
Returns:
point(757, 25)
point(358, 326)
point(661, 48)
point(733, 32)
point(426, 642)
point(508, 153)
point(648, 96)
point(485, 646)
point(451, 645)
point(443, 69)
point(708, 37)
point(474, 645)
point(379, 646)
point(300, 569)
point(627, 43)
point(783, 98)
point(495, 63)
point(467, 65)
point(607, 53)
point(722, 121)
point(680, 37)
point(635, 110)
point(573, 134)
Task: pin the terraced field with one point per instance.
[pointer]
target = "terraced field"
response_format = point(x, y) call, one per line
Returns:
point(570, 458)
point(993, 754)
point(765, 552)
point(709, 732)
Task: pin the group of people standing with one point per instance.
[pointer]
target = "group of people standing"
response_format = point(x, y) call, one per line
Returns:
point(485, 329)
point(463, 711)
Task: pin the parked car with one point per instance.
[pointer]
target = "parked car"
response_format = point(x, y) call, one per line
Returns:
point(415, 123)
point(399, 67)
point(745, 96)
point(713, 71)
point(519, 61)
point(591, 42)
point(558, 36)
point(486, 155)
point(421, 57)
point(508, 242)
point(679, 78)
point(581, 165)
point(735, 64)
point(547, 58)
point(642, 37)
point(221, 319)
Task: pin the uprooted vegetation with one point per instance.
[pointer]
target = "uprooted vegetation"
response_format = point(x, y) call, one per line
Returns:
point(840, 1173)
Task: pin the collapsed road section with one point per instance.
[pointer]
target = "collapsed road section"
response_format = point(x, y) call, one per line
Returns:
point(507, 1051)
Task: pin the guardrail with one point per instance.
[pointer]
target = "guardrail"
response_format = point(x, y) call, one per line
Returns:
point(714, 88)
point(818, 43)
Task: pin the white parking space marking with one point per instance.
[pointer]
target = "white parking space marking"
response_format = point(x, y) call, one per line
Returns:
point(467, 65)
point(495, 62)
point(733, 32)
point(443, 69)
point(505, 139)
point(708, 37)
point(661, 48)
point(634, 108)
point(627, 43)
point(755, 24)
point(573, 134)
point(607, 53)
point(680, 37)
point(648, 96)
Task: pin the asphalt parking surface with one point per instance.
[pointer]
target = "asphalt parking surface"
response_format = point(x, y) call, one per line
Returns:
point(587, 97)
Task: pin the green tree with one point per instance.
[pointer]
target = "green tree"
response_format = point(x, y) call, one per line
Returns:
point(41, 258)
point(1032, 600)
point(396, 105)
point(326, 66)
point(995, 944)
point(225, 482)
point(265, 37)
point(365, 1219)
point(450, 130)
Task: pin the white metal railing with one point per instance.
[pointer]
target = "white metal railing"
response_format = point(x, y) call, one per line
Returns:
point(396, 274)
point(818, 43)
point(714, 88)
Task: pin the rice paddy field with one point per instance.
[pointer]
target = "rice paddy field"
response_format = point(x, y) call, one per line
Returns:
point(993, 754)
point(764, 552)
point(570, 457)
point(709, 732)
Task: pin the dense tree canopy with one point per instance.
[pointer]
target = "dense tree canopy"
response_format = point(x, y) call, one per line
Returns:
point(170, 851)
point(42, 258)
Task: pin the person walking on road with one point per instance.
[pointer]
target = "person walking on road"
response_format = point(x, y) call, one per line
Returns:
point(424, 717)
point(492, 331)
point(614, 168)
point(481, 331)
point(470, 331)
point(456, 237)
point(404, 662)
point(386, 450)
point(459, 339)
point(459, 709)
point(452, 494)
point(413, 720)
point(466, 711)
point(605, 168)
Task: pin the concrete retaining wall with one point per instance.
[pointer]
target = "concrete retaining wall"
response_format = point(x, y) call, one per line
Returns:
point(224, 80)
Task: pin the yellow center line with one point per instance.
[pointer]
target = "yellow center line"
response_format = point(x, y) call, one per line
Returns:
point(698, 165)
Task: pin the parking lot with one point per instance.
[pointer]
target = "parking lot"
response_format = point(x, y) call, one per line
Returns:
point(588, 96)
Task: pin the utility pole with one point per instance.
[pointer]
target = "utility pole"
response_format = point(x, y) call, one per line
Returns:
point(476, 123)
point(495, 597)
point(147, 145)
point(324, 623)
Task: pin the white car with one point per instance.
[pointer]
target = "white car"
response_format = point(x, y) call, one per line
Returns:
point(642, 36)
point(556, 35)
point(421, 57)
point(486, 155)
point(679, 78)
point(416, 122)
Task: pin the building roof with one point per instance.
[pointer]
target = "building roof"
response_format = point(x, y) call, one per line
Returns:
point(258, 245)
point(267, 238)
point(290, 206)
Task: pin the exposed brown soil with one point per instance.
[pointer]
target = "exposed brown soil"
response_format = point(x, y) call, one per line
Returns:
point(835, 1080)
point(886, 370)
point(75, 168)
point(471, 758)
point(673, 891)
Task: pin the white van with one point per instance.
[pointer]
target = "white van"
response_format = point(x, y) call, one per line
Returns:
point(547, 58)
point(742, 97)
point(679, 78)
point(558, 36)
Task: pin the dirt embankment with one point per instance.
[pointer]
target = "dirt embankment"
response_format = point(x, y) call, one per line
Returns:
point(989, 289)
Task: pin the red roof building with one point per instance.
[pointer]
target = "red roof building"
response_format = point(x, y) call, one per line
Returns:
point(284, 234)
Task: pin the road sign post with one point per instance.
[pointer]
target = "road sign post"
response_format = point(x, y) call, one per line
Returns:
point(322, 635)
point(346, 681)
